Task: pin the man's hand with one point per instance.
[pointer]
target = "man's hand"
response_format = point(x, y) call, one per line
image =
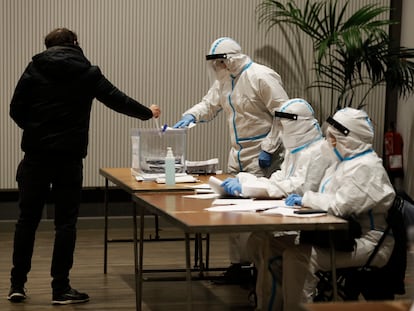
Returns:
point(156, 111)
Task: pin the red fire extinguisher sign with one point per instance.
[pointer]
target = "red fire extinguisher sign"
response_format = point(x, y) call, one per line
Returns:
point(393, 151)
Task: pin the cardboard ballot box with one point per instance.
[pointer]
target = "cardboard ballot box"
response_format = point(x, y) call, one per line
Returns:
point(149, 148)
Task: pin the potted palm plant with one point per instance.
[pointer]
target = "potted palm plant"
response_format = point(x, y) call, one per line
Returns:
point(351, 51)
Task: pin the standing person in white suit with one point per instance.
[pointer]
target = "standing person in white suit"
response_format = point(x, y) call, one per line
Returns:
point(358, 186)
point(305, 161)
point(248, 93)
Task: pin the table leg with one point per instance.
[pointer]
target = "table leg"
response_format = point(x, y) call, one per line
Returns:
point(157, 227)
point(333, 266)
point(200, 252)
point(106, 226)
point(207, 251)
point(137, 260)
point(196, 252)
point(188, 270)
point(266, 293)
point(141, 251)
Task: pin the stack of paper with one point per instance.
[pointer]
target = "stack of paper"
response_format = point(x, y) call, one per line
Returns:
point(178, 179)
point(245, 205)
point(265, 207)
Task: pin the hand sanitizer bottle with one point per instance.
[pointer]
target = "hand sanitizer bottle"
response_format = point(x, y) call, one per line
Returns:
point(169, 168)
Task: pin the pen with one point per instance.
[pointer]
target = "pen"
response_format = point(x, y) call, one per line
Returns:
point(157, 125)
point(310, 211)
point(164, 128)
point(265, 209)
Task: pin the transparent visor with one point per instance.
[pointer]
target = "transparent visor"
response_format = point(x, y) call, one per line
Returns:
point(216, 67)
point(343, 129)
point(330, 137)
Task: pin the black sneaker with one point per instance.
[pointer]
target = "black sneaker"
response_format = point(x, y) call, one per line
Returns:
point(16, 294)
point(236, 274)
point(69, 296)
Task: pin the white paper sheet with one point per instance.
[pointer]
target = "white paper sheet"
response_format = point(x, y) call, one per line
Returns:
point(246, 205)
point(232, 201)
point(215, 183)
point(285, 211)
point(231, 208)
point(200, 186)
point(202, 196)
point(178, 179)
point(264, 207)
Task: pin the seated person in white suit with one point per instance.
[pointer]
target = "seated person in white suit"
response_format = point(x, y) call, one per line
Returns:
point(305, 161)
point(358, 186)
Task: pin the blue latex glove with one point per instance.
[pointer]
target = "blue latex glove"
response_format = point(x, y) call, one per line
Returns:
point(293, 199)
point(185, 121)
point(265, 159)
point(231, 186)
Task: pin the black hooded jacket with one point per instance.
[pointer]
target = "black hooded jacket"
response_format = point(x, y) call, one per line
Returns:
point(53, 99)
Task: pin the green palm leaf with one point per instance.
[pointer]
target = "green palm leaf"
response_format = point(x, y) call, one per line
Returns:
point(348, 52)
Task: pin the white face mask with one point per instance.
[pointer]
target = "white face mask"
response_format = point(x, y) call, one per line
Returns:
point(217, 72)
point(222, 74)
point(328, 150)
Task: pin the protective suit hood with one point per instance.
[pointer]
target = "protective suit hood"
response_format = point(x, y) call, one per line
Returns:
point(230, 53)
point(361, 132)
point(301, 131)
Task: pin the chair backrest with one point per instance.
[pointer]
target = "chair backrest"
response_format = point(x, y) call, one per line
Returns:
point(399, 221)
point(382, 283)
point(408, 214)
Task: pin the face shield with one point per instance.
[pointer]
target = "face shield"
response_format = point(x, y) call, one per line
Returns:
point(341, 128)
point(217, 67)
point(357, 122)
point(295, 119)
point(219, 57)
point(336, 136)
point(289, 116)
point(352, 130)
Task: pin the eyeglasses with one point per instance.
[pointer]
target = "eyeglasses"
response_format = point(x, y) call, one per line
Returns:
point(343, 129)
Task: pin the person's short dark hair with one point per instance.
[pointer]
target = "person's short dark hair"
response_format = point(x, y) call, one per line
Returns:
point(61, 36)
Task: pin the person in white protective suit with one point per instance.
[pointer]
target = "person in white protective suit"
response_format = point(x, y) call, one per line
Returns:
point(305, 161)
point(357, 186)
point(248, 93)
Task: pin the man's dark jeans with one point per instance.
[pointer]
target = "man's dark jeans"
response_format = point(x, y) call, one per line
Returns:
point(42, 179)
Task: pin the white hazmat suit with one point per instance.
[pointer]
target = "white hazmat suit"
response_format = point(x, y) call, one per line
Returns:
point(303, 167)
point(249, 93)
point(357, 186)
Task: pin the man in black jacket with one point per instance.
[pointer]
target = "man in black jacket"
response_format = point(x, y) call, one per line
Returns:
point(52, 104)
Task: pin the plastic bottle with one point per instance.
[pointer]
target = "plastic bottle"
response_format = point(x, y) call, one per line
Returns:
point(169, 168)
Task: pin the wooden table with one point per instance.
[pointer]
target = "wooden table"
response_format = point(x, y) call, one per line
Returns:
point(123, 178)
point(190, 216)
